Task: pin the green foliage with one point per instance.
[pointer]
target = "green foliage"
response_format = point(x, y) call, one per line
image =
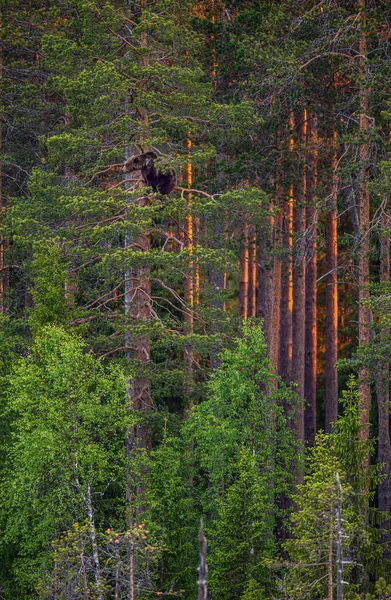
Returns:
point(173, 515)
point(243, 448)
point(314, 522)
point(49, 286)
point(382, 591)
point(68, 420)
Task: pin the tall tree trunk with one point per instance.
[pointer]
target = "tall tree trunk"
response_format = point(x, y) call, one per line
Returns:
point(265, 276)
point(332, 296)
point(364, 315)
point(252, 273)
point(190, 284)
point(285, 350)
point(218, 276)
point(299, 272)
point(243, 285)
point(137, 305)
point(311, 292)
point(383, 402)
point(277, 262)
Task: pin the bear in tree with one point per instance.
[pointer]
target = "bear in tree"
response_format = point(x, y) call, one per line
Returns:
point(160, 182)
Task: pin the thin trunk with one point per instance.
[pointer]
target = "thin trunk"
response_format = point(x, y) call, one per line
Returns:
point(364, 315)
point(299, 316)
point(339, 542)
point(383, 400)
point(311, 291)
point(94, 545)
point(203, 568)
point(332, 297)
point(131, 561)
point(83, 568)
point(330, 561)
point(70, 289)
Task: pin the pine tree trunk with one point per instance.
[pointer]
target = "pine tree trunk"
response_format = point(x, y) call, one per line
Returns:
point(364, 315)
point(218, 277)
point(265, 278)
point(285, 334)
point(339, 541)
point(137, 305)
point(311, 291)
point(299, 272)
point(332, 297)
point(277, 263)
point(189, 286)
point(243, 285)
point(252, 273)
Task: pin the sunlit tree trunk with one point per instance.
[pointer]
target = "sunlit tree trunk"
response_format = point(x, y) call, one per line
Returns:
point(311, 291)
point(190, 282)
point(299, 272)
point(244, 264)
point(252, 272)
point(285, 350)
point(332, 295)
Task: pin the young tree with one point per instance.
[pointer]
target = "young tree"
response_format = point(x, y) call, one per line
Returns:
point(243, 448)
point(315, 545)
point(66, 460)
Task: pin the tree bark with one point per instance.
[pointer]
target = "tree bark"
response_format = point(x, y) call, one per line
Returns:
point(311, 289)
point(285, 334)
point(364, 316)
point(94, 544)
point(339, 541)
point(243, 285)
point(330, 560)
point(277, 262)
point(203, 568)
point(265, 276)
point(191, 285)
point(252, 273)
point(299, 273)
point(332, 297)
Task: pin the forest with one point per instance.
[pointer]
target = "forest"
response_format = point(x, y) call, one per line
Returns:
point(195, 299)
